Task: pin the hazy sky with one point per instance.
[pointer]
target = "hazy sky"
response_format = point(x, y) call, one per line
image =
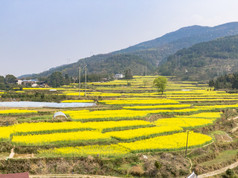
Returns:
point(36, 35)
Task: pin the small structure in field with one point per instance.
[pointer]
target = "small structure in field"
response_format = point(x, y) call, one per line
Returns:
point(193, 175)
point(19, 82)
point(34, 85)
point(119, 76)
point(59, 115)
point(52, 90)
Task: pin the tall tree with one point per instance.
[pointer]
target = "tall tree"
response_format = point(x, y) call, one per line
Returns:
point(128, 74)
point(56, 79)
point(10, 79)
point(67, 79)
point(160, 83)
point(2, 79)
point(2, 83)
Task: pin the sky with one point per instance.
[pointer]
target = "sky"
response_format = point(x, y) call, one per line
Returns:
point(36, 35)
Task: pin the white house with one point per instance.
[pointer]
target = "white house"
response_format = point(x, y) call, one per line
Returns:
point(34, 85)
point(19, 82)
point(118, 76)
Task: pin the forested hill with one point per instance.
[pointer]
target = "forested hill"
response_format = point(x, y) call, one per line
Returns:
point(148, 55)
point(105, 65)
point(204, 61)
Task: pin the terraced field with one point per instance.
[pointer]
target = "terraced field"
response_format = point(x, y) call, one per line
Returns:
point(130, 117)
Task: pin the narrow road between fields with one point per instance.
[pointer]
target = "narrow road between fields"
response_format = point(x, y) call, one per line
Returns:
point(219, 171)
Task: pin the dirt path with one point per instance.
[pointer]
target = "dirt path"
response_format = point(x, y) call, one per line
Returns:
point(11, 154)
point(219, 171)
point(234, 118)
point(191, 164)
point(234, 129)
point(69, 176)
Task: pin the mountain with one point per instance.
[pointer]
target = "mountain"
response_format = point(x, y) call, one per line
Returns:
point(185, 37)
point(148, 55)
point(204, 61)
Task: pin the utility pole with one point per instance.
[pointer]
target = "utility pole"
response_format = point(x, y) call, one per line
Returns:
point(186, 144)
point(85, 78)
point(79, 79)
point(146, 69)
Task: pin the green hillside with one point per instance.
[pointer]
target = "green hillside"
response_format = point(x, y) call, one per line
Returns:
point(107, 64)
point(204, 61)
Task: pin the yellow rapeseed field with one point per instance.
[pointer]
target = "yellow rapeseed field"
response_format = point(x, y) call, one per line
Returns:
point(17, 111)
point(121, 117)
point(215, 107)
point(105, 114)
point(184, 122)
point(105, 125)
point(122, 114)
point(168, 142)
point(167, 106)
point(206, 115)
point(5, 132)
point(143, 132)
point(140, 102)
point(102, 150)
point(47, 127)
point(47, 139)
point(77, 101)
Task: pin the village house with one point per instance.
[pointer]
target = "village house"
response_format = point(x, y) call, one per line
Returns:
point(119, 76)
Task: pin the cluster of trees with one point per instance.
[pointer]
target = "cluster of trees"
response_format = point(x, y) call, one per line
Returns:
point(96, 77)
point(57, 79)
point(228, 81)
point(8, 82)
point(128, 74)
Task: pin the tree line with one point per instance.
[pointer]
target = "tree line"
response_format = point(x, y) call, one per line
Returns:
point(8, 82)
point(57, 79)
point(228, 81)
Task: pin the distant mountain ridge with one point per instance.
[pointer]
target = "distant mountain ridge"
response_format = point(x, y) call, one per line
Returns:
point(184, 38)
point(148, 55)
